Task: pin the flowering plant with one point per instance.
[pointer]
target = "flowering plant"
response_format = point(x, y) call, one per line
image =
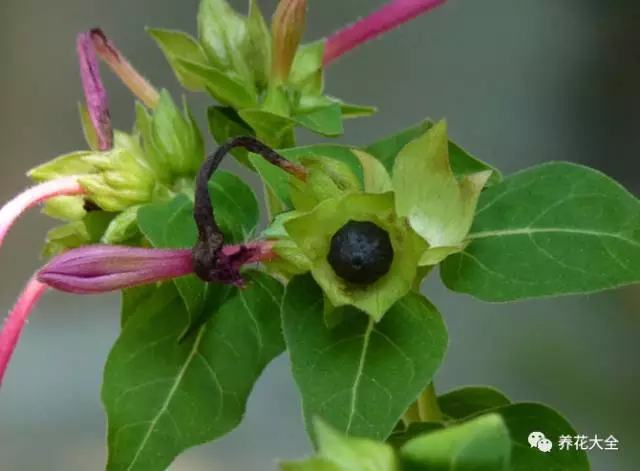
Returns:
point(351, 234)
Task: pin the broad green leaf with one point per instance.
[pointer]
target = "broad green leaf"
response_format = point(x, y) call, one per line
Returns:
point(360, 376)
point(225, 123)
point(470, 400)
point(134, 298)
point(326, 120)
point(312, 232)
point(462, 163)
point(550, 230)
point(482, 444)
point(171, 225)
point(163, 395)
point(438, 206)
point(376, 177)
point(178, 45)
point(342, 453)
point(525, 418)
point(224, 86)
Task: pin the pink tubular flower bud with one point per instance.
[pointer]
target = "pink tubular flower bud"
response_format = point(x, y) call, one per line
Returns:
point(94, 92)
point(391, 15)
point(103, 268)
point(138, 85)
point(287, 29)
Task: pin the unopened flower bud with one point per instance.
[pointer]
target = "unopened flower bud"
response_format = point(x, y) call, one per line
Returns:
point(287, 29)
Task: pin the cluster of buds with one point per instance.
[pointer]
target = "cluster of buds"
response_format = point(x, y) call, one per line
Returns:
point(237, 60)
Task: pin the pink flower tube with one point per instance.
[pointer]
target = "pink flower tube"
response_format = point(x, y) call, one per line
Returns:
point(389, 16)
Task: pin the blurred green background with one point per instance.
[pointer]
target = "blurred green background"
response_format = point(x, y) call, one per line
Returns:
point(519, 82)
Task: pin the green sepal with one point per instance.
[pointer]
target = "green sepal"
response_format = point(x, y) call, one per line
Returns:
point(482, 444)
point(345, 453)
point(66, 165)
point(225, 123)
point(462, 163)
point(88, 230)
point(178, 45)
point(438, 206)
point(123, 227)
point(306, 71)
point(257, 46)
point(312, 232)
point(176, 137)
point(327, 178)
point(65, 208)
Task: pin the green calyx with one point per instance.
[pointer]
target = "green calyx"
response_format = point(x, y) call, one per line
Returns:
point(149, 165)
point(272, 84)
point(436, 204)
point(313, 231)
point(423, 208)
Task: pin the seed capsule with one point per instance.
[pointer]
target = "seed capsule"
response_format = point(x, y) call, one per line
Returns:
point(360, 252)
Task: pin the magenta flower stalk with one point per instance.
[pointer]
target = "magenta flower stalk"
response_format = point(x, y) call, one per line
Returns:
point(94, 92)
point(103, 268)
point(16, 320)
point(119, 64)
point(391, 15)
point(67, 186)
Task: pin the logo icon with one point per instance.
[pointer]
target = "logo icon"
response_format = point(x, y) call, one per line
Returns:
point(539, 441)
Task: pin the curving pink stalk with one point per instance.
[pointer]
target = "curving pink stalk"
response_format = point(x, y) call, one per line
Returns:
point(16, 320)
point(391, 15)
point(66, 186)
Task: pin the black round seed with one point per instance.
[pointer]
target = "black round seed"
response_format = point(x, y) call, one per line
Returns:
point(360, 252)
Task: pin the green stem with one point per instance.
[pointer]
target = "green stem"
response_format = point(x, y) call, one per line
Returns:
point(428, 407)
point(424, 409)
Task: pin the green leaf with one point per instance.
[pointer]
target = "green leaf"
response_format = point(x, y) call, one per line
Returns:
point(470, 400)
point(524, 418)
point(312, 232)
point(462, 163)
point(550, 230)
point(481, 444)
point(360, 376)
point(178, 45)
point(225, 87)
point(312, 464)
point(350, 111)
point(326, 120)
point(163, 396)
point(438, 206)
point(224, 124)
point(415, 429)
point(171, 225)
